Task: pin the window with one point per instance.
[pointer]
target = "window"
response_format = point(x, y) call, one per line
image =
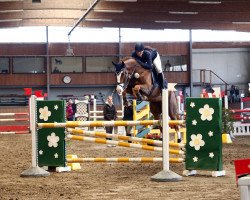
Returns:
point(174, 63)
point(100, 63)
point(28, 65)
point(66, 64)
point(4, 65)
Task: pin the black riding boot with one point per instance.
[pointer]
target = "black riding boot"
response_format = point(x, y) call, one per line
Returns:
point(161, 81)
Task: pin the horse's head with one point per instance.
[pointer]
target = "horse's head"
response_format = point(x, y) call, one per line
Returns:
point(119, 71)
point(127, 71)
point(118, 66)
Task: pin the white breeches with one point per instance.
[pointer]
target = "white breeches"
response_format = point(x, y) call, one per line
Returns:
point(157, 64)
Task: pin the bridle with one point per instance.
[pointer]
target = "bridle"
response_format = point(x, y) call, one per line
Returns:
point(127, 78)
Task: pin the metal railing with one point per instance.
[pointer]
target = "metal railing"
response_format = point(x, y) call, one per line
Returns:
point(203, 79)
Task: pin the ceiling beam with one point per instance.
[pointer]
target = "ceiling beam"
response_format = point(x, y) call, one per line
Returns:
point(11, 15)
point(10, 24)
point(45, 22)
point(44, 14)
point(57, 4)
point(185, 25)
point(161, 6)
point(204, 16)
point(16, 5)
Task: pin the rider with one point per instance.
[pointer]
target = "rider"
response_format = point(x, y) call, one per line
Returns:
point(147, 57)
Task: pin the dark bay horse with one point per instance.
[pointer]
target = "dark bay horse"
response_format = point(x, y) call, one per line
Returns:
point(132, 78)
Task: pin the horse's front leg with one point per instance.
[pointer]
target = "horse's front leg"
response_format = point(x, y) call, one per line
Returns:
point(137, 94)
point(124, 97)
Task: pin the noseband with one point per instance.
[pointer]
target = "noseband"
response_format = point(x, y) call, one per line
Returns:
point(127, 78)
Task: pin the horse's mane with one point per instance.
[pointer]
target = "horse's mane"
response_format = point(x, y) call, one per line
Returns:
point(130, 58)
point(126, 58)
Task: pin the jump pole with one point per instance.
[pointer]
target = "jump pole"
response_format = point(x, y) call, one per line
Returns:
point(123, 159)
point(166, 175)
point(74, 124)
point(34, 170)
point(120, 137)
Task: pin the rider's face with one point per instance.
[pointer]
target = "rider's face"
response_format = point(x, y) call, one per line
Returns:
point(139, 53)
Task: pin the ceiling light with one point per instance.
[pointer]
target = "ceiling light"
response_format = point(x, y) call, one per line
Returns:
point(182, 13)
point(109, 11)
point(170, 22)
point(122, 0)
point(10, 20)
point(247, 23)
point(98, 20)
point(205, 2)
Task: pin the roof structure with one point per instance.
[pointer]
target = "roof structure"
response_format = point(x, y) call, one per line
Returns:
point(144, 14)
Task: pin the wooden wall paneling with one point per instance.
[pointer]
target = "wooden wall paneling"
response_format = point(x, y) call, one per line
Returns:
point(82, 49)
point(173, 48)
point(85, 79)
point(177, 77)
point(214, 45)
point(21, 49)
point(22, 79)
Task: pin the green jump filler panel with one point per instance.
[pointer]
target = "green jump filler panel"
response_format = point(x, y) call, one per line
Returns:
point(204, 134)
point(51, 141)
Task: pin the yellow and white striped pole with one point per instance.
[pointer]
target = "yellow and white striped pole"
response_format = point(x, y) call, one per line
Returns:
point(74, 124)
point(121, 137)
point(123, 144)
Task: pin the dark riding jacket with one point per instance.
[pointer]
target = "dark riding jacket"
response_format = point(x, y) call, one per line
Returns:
point(147, 58)
point(109, 112)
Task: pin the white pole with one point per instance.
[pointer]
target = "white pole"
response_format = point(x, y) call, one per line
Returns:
point(180, 113)
point(94, 109)
point(241, 107)
point(226, 101)
point(179, 104)
point(165, 132)
point(165, 175)
point(34, 170)
point(32, 109)
point(122, 106)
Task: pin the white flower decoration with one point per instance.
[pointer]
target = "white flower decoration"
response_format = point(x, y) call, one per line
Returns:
point(211, 155)
point(196, 141)
point(192, 104)
point(41, 152)
point(55, 107)
point(56, 155)
point(53, 140)
point(206, 113)
point(194, 122)
point(195, 159)
point(44, 113)
point(210, 133)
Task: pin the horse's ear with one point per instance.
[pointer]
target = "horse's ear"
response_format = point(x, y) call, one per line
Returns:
point(118, 66)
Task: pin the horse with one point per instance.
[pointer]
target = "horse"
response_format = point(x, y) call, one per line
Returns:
point(133, 79)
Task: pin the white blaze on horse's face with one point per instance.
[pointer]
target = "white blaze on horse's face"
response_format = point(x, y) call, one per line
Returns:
point(119, 86)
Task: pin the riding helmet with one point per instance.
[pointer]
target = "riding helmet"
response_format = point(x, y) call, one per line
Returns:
point(139, 47)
